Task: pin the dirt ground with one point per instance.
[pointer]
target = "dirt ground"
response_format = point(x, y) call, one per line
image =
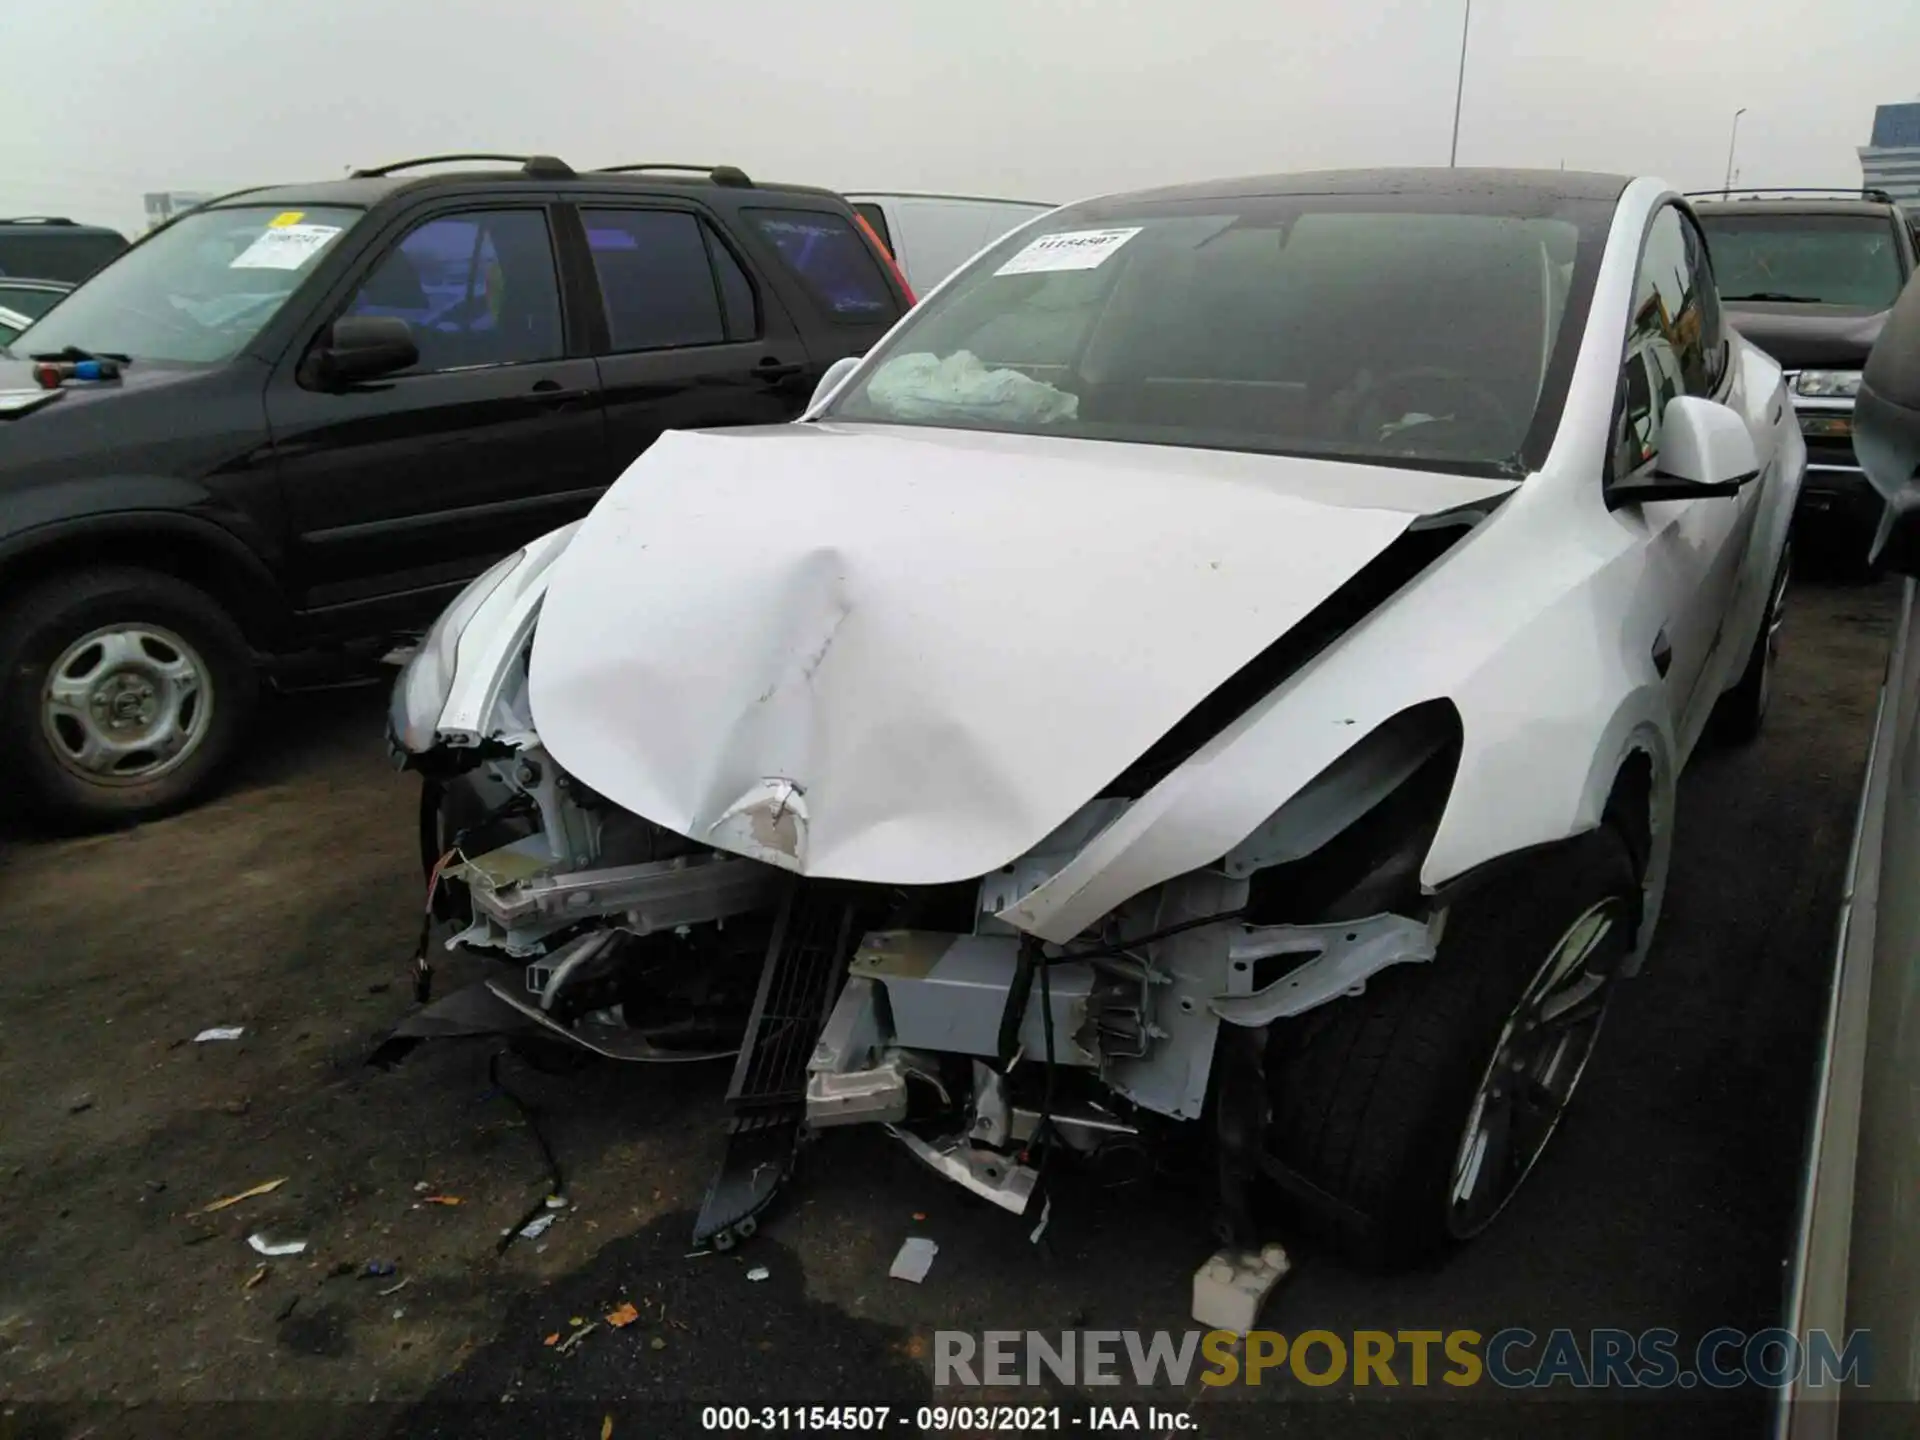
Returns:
point(290, 905)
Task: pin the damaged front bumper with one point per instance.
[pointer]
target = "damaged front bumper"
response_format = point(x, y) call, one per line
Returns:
point(936, 1012)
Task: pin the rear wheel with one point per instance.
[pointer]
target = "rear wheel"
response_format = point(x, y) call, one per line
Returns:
point(1418, 1107)
point(125, 694)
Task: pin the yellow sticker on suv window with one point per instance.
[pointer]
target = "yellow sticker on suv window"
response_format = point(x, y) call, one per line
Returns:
point(285, 218)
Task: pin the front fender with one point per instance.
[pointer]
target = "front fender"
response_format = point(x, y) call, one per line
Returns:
point(1538, 629)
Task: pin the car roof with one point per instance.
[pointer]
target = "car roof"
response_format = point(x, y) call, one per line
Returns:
point(1828, 206)
point(1437, 180)
point(371, 187)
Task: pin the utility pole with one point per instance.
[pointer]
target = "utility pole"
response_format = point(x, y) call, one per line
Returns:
point(1460, 85)
point(1732, 140)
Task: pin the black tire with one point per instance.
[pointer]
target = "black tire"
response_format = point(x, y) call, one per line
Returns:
point(1739, 713)
point(1371, 1094)
point(36, 632)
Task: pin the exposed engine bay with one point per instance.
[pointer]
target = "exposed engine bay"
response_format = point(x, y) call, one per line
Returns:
point(984, 1050)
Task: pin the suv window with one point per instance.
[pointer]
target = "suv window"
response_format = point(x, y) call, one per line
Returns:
point(832, 261)
point(667, 281)
point(478, 288)
point(1672, 338)
point(54, 252)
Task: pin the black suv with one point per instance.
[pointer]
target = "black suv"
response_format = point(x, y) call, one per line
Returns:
point(52, 247)
point(1809, 277)
point(327, 406)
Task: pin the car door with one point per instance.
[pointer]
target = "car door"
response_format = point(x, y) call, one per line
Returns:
point(683, 333)
point(399, 489)
point(1675, 346)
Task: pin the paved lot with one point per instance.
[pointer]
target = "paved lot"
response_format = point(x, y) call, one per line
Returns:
point(290, 906)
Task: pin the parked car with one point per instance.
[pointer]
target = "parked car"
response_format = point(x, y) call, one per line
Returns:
point(1855, 1264)
point(1809, 276)
point(24, 301)
point(338, 402)
point(934, 235)
point(1220, 667)
point(52, 247)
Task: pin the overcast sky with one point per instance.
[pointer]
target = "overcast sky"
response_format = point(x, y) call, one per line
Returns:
point(1047, 99)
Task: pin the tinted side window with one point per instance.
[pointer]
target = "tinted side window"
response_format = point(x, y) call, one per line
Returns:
point(478, 288)
point(655, 278)
point(736, 290)
point(877, 218)
point(832, 261)
point(1706, 295)
point(1666, 351)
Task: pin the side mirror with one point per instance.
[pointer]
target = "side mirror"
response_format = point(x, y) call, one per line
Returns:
point(830, 382)
point(1706, 450)
point(361, 347)
point(1886, 433)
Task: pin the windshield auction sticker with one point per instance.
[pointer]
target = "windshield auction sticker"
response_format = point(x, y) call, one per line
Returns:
point(1067, 250)
point(286, 247)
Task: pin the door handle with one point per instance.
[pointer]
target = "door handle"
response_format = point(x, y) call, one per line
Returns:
point(559, 398)
point(772, 369)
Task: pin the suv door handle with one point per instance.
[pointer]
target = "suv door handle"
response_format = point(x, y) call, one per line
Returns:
point(772, 369)
point(557, 397)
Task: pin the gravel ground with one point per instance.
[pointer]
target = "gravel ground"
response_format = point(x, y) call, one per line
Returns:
point(289, 906)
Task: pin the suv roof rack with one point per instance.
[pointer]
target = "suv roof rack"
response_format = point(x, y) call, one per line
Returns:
point(545, 167)
point(1761, 192)
point(729, 175)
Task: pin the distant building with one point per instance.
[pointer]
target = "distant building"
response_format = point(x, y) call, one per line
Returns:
point(1891, 161)
point(163, 205)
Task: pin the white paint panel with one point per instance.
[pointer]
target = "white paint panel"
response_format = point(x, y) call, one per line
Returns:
point(949, 641)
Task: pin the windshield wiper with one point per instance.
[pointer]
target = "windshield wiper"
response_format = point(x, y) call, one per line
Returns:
point(1778, 297)
point(74, 352)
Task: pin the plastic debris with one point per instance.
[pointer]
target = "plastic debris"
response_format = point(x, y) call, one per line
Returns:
point(439, 1199)
point(380, 1269)
point(553, 1339)
point(1046, 1214)
point(265, 1187)
point(622, 1316)
point(275, 1247)
point(220, 1032)
point(758, 1272)
point(393, 1289)
point(576, 1337)
point(538, 1226)
point(421, 1187)
point(606, 1427)
point(915, 1259)
point(1230, 1289)
point(255, 1278)
point(919, 1214)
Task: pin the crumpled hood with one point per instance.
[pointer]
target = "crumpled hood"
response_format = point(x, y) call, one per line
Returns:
point(906, 655)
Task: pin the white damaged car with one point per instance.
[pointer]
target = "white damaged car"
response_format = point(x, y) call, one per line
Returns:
point(1217, 672)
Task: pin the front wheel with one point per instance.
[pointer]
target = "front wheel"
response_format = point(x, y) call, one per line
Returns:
point(1419, 1106)
point(123, 694)
point(1738, 714)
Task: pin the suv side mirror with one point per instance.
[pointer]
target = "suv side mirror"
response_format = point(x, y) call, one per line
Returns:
point(1886, 433)
point(361, 347)
point(1706, 450)
point(830, 382)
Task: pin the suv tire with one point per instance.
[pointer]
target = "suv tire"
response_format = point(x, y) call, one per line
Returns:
point(123, 694)
point(1376, 1100)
